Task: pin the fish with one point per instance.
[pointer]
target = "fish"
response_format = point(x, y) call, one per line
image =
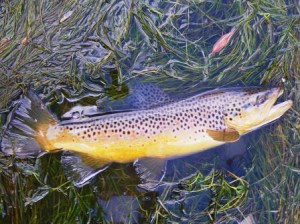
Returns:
point(222, 42)
point(173, 129)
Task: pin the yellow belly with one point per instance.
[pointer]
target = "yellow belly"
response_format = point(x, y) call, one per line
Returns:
point(123, 150)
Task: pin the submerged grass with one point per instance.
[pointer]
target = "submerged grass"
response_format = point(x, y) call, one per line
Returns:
point(29, 195)
point(202, 198)
point(79, 51)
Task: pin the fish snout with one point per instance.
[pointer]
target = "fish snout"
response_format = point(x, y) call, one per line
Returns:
point(278, 91)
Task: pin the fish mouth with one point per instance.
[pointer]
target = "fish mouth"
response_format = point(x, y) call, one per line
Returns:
point(277, 110)
point(276, 92)
point(280, 91)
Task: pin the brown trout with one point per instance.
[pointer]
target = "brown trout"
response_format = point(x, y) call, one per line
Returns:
point(174, 129)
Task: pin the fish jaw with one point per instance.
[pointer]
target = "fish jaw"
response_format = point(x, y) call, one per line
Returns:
point(259, 114)
point(277, 111)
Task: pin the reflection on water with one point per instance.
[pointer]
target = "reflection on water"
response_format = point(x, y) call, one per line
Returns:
point(84, 54)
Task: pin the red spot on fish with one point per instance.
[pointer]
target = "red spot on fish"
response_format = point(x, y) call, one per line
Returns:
point(222, 42)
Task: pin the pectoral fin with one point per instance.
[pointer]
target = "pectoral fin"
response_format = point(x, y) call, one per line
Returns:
point(227, 135)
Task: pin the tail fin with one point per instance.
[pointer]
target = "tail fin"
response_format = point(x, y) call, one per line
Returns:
point(19, 135)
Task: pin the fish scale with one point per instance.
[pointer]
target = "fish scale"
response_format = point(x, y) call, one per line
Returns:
point(168, 118)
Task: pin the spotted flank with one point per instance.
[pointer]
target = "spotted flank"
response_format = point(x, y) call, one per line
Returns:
point(169, 129)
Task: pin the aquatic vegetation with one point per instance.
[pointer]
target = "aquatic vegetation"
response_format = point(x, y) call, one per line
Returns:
point(87, 53)
point(211, 196)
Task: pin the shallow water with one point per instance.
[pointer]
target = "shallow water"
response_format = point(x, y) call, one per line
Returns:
point(87, 54)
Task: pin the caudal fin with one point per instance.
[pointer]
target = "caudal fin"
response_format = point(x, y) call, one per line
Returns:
point(19, 134)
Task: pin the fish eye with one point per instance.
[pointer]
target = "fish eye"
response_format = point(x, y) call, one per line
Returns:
point(260, 99)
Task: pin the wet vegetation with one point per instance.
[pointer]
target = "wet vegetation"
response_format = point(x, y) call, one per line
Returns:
point(86, 52)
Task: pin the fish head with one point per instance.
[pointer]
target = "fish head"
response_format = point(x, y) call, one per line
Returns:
point(252, 108)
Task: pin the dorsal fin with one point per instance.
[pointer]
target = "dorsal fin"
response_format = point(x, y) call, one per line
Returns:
point(147, 95)
point(226, 135)
point(142, 96)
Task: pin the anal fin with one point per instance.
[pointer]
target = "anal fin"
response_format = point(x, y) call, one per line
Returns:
point(81, 168)
point(151, 171)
